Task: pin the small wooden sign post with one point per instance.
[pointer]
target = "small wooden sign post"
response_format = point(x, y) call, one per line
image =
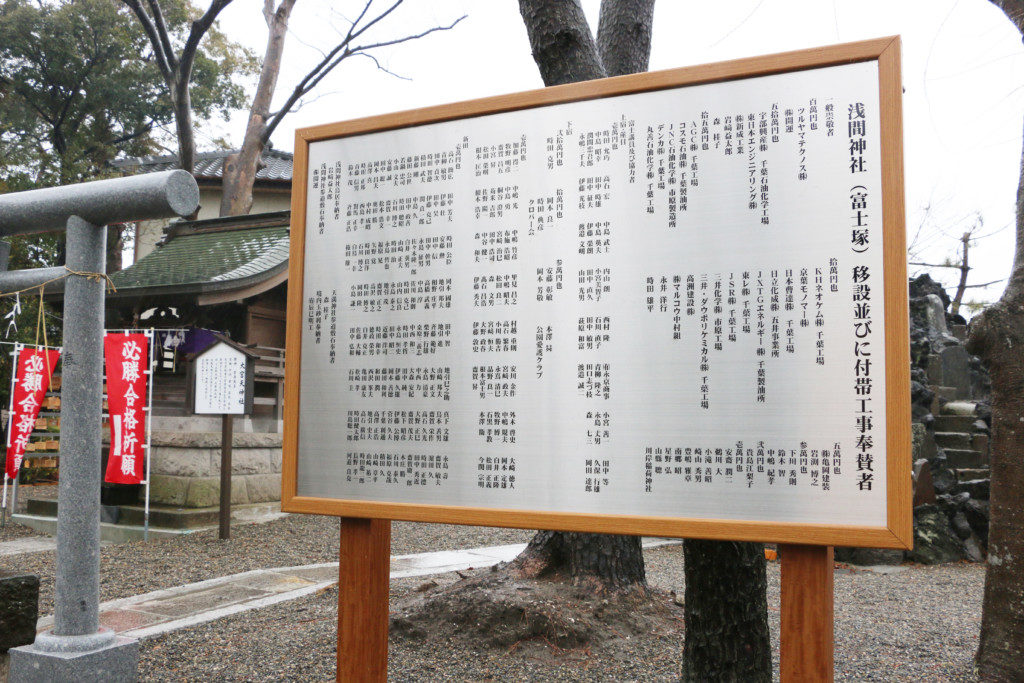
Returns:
point(223, 385)
point(668, 304)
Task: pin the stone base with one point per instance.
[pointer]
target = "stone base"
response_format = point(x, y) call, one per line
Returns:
point(65, 659)
point(164, 521)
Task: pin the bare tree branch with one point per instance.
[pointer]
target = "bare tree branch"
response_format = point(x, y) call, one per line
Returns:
point(934, 265)
point(396, 41)
point(381, 66)
point(333, 59)
point(199, 28)
point(161, 28)
point(352, 25)
point(240, 169)
point(154, 39)
point(307, 101)
point(737, 26)
point(986, 284)
point(177, 69)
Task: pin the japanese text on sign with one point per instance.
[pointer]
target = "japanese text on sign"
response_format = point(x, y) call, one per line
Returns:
point(665, 303)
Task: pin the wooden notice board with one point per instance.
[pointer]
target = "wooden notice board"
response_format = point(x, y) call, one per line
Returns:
point(670, 304)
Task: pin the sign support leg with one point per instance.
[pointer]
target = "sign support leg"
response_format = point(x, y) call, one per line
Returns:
point(226, 437)
point(806, 636)
point(364, 567)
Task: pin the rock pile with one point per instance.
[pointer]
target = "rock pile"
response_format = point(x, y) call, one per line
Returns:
point(950, 391)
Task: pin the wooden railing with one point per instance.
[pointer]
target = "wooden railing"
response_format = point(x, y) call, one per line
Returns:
point(270, 371)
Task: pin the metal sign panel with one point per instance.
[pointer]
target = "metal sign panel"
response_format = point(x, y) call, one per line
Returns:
point(673, 303)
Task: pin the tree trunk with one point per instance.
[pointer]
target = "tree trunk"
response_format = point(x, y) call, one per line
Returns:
point(115, 246)
point(240, 169)
point(725, 587)
point(182, 101)
point(965, 270)
point(565, 52)
point(997, 335)
point(624, 36)
point(726, 612)
point(999, 339)
point(597, 561)
point(561, 41)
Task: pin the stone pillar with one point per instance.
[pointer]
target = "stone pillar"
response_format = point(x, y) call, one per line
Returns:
point(77, 649)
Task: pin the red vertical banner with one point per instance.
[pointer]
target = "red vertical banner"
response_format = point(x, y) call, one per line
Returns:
point(30, 385)
point(127, 357)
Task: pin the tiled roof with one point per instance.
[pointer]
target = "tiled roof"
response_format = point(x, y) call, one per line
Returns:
point(276, 166)
point(211, 255)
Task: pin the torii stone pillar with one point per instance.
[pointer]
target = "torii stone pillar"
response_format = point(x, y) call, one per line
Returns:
point(77, 649)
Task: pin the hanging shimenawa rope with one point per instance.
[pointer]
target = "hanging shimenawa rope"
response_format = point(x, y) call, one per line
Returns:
point(95, 277)
point(12, 316)
point(40, 322)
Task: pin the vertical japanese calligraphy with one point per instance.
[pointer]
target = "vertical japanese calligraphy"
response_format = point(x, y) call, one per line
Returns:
point(34, 369)
point(127, 357)
point(663, 303)
point(221, 382)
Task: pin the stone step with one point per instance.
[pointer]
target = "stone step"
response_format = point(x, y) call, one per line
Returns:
point(948, 393)
point(979, 442)
point(972, 474)
point(941, 395)
point(978, 489)
point(954, 423)
point(958, 408)
point(956, 440)
point(960, 459)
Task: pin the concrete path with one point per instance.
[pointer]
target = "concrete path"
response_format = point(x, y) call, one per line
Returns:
point(30, 544)
point(151, 614)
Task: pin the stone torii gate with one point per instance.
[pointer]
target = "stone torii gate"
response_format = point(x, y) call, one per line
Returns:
point(77, 649)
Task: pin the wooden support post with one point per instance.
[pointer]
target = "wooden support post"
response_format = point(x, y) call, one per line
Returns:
point(226, 437)
point(806, 636)
point(364, 568)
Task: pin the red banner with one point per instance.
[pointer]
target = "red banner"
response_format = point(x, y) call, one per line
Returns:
point(127, 358)
point(30, 385)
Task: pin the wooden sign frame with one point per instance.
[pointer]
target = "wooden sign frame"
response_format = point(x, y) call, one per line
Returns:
point(898, 531)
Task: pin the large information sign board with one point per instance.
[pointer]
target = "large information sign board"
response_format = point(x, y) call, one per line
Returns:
point(671, 303)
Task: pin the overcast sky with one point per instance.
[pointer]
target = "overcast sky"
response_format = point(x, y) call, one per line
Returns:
point(963, 76)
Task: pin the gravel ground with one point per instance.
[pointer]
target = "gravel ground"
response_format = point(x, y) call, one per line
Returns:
point(133, 568)
point(12, 531)
point(917, 625)
point(920, 624)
